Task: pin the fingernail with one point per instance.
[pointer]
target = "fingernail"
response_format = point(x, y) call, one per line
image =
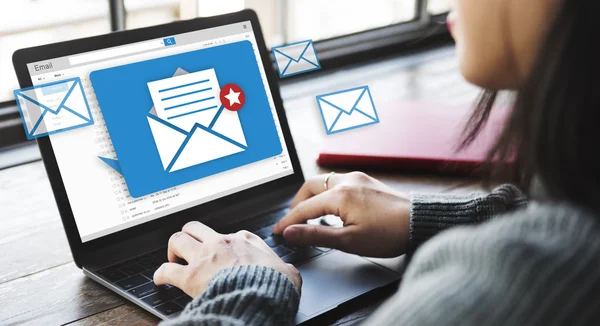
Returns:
point(156, 272)
point(175, 235)
point(292, 234)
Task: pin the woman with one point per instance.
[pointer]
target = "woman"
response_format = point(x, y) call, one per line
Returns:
point(531, 265)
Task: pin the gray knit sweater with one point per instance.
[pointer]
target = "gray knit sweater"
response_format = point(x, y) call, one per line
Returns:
point(535, 265)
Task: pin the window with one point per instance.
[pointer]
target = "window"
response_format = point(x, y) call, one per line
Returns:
point(34, 22)
point(319, 20)
point(344, 31)
point(436, 7)
point(143, 13)
point(28, 23)
point(286, 21)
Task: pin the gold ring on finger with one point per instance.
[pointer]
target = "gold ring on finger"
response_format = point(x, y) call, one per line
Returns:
point(326, 182)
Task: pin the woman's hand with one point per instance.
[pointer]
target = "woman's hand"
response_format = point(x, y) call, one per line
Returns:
point(207, 252)
point(376, 218)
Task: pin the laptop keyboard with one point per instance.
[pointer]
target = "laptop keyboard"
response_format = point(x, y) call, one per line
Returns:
point(135, 276)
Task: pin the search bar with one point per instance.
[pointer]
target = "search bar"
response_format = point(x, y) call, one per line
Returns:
point(119, 51)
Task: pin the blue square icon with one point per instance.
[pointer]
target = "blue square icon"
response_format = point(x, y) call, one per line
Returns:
point(169, 41)
point(347, 109)
point(296, 58)
point(54, 107)
point(171, 124)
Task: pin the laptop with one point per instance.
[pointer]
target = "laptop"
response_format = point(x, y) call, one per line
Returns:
point(163, 147)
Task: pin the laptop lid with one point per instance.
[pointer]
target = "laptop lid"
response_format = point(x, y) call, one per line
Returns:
point(171, 139)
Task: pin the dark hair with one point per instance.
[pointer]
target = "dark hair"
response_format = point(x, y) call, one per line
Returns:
point(554, 126)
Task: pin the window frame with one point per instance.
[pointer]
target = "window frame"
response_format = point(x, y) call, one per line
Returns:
point(424, 31)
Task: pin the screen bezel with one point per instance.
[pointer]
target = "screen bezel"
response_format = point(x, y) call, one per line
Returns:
point(79, 249)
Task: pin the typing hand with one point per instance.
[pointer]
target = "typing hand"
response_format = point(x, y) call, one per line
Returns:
point(376, 218)
point(207, 252)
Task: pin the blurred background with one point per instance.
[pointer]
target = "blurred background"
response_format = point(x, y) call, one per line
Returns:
point(344, 31)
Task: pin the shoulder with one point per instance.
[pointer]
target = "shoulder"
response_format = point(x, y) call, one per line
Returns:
point(540, 262)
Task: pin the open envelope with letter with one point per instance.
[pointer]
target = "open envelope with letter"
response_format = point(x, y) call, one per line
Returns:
point(54, 107)
point(168, 126)
point(296, 58)
point(188, 122)
point(347, 109)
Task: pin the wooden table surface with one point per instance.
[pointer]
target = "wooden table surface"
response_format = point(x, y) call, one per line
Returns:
point(40, 284)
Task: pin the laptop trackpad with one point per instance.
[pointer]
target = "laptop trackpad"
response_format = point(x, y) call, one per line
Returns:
point(339, 277)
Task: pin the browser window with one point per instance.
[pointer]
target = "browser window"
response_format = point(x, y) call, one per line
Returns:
point(125, 170)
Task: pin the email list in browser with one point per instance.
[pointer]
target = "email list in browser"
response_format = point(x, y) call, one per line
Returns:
point(108, 206)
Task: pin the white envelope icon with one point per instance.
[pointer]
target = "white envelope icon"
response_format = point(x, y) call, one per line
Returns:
point(347, 109)
point(54, 107)
point(188, 122)
point(296, 58)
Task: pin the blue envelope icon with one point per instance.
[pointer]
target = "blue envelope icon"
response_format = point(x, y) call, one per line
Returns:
point(347, 109)
point(296, 58)
point(54, 107)
point(172, 123)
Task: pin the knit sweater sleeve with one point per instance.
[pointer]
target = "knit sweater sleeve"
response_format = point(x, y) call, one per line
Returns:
point(536, 266)
point(432, 213)
point(243, 295)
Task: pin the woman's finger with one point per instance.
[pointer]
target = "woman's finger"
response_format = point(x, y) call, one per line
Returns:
point(317, 206)
point(318, 235)
point(315, 186)
point(170, 273)
point(200, 231)
point(182, 245)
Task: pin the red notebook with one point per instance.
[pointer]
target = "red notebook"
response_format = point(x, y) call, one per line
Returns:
point(413, 136)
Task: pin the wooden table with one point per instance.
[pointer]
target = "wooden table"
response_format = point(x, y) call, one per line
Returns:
point(39, 283)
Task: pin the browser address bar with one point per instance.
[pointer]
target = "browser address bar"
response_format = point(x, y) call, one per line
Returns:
point(120, 51)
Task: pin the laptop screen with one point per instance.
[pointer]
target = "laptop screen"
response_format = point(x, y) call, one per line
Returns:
point(152, 128)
